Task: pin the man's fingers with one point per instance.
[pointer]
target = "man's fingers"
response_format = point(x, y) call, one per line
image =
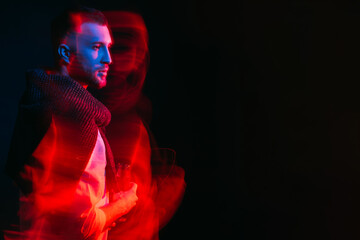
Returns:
point(133, 186)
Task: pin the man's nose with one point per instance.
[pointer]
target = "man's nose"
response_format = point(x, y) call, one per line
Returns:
point(106, 58)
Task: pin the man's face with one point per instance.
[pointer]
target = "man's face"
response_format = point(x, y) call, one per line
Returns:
point(90, 61)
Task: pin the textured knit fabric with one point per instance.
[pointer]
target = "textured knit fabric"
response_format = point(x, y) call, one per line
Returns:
point(51, 97)
point(56, 131)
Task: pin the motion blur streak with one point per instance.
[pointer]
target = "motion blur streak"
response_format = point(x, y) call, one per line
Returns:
point(58, 165)
point(52, 201)
point(160, 182)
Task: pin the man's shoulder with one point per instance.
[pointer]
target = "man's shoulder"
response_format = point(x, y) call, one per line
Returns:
point(46, 86)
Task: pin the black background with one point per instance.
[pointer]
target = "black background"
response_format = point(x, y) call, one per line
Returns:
point(258, 98)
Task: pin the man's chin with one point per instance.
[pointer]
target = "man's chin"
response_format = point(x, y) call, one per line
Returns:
point(99, 83)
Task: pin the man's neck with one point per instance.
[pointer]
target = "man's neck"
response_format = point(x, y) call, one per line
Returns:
point(63, 71)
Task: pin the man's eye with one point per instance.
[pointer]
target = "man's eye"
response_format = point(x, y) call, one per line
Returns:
point(96, 47)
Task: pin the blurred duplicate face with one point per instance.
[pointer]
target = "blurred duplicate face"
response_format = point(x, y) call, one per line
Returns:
point(130, 42)
point(124, 52)
point(89, 63)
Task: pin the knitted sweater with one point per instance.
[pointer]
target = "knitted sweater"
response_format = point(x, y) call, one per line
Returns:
point(77, 116)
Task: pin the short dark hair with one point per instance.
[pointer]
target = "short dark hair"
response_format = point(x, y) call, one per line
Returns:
point(69, 19)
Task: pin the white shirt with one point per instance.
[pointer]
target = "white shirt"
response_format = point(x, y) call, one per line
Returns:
point(91, 191)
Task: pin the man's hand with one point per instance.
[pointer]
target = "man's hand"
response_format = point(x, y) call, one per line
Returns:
point(126, 200)
point(122, 202)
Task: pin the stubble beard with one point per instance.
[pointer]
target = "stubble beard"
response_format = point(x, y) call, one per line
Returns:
point(92, 79)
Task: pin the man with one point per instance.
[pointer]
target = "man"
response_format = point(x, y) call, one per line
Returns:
point(59, 156)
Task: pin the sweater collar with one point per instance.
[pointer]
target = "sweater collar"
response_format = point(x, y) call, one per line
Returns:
point(63, 95)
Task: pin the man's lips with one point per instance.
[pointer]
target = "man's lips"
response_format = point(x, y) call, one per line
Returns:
point(103, 72)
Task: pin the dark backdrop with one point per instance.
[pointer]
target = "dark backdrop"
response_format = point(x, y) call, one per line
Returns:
point(258, 98)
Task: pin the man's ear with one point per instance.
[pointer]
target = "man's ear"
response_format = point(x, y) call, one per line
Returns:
point(64, 52)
